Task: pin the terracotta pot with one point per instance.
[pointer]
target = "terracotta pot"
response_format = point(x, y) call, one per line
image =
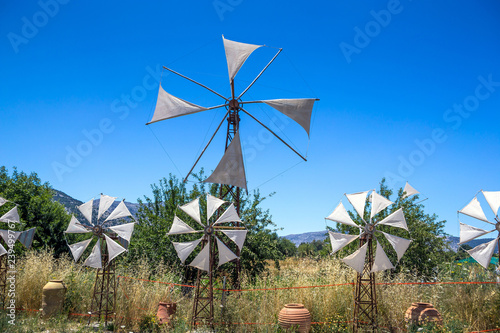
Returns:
point(295, 316)
point(421, 313)
point(53, 298)
point(165, 312)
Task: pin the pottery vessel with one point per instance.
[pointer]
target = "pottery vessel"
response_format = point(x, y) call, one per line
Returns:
point(295, 317)
point(53, 298)
point(165, 312)
point(421, 313)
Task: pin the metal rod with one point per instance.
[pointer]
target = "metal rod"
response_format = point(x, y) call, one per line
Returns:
point(253, 102)
point(261, 72)
point(229, 228)
point(248, 113)
point(202, 85)
point(222, 121)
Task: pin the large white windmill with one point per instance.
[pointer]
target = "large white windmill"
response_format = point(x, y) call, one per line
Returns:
point(483, 252)
point(110, 241)
point(212, 249)
point(362, 260)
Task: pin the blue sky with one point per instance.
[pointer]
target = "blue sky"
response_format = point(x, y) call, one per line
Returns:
point(409, 90)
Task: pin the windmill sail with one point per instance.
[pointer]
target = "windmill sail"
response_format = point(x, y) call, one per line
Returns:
point(26, 237)
point(75, 227)
point(381, 261)
point(399, 244)
point(78, 248)
point(185, 249)
point(2, 250)
point(468, 232)
point(236, 55)
point(379, 203)
point(298, 109)
point(493, 199)
point(474, 209)
point(396, 219)
point(193, 210)
point(225, 254)
point(230, 215)
point(104, 203)
point(409, 190)
point(483, 252)
point(339, 240)
point(114, 249)
point(358, 201)
point(340, 215)
point(357, 259)
point(120, 211)
point(237, 236)
point(202, 260)
point(86, 210)
point(12, 216)
point(2, 201)
point(94, 259)
point(124, 230)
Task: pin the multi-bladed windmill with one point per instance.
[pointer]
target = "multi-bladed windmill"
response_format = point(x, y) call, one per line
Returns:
point(110, 241)
point(363, 260)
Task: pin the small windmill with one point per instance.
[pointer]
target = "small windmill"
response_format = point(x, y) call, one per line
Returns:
point(362, 260)
point(213, 248)
point(483, 252)
point(105, 249)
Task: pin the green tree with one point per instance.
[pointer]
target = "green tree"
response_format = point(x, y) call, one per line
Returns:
point(287, 247)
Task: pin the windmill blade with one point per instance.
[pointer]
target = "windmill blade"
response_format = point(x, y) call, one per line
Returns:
point(381, 262)
point(123, 242)
point(94, 259)
point(169, 106)
point(340, 215)
point(237, 236)
point(231, 169)
point(358, 201)
point(339, 240)
point(483, 252)
point(379, 203)
point(474, 209)
point(114, 249)
point(9, 234)
point(409, 190)
point(12, 216)
point(124, 230)
point(213, 204)
point(225, 254)
point(185, 249)
point(2, 250)
point(104, 203)
point(26, 237)
point(193, 209)
point(396, 219)
point(75, 227)
point(180, 227)
point(2, 201)
point(399, 244)
point(357, 259)
point(493, 199)
point(236, 54)
point(468, 233)
point(78, 248)
point(86, 210)
point(202, 260)
point(120, 211)
point(298, 109)
point(230, 215)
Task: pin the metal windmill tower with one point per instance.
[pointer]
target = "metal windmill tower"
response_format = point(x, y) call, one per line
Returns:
point(363, 259)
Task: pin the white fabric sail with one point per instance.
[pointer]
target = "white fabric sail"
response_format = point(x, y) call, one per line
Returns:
point(86, 210)
point(357, 259)
point(236, 54)
point(169, 106)
point(230, 215)
point(399, 244)
point(26, 237)
point(114, 249)
point(396, 219)
point(202, 260)
point(180, 227)
point(381, 262)
point(193, 209)
point(468, 232)
point(120, 211)
point(339, 240)
point(237, 236)
point(483, 252)
point(12, 216)
point(474, 209)
point(104, 203)
point(6, 234)
point(493, 199)
point(341, 215)
point(225, 254)
point(231, 169)
point(186, 248)
point(78, 248)
point(379, 203)
point(124, 230)
point(358, 201)
point(75, 227)
point(2, 250)
point(298, 109)
point(409, 190)
point(94, 259)
point(213, 204)
point(2, 201)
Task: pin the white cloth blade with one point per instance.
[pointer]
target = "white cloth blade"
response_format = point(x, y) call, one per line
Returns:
point(409, 190)
point(298, 109)
point(236, 54)
point(94, 259)
point(357, 259)
point(202, 260)
point(396, 219)
point(114, 249)
point(78, 248)
point(237, 236)
point(341, 215)
point(339, 240)
point(358, 201)
point(169, 106)
point(493, 199)
point(2, 250)
point(213, 204)
point(231, 169)
point(399, 244)
point(381, 262)
point(120, 211)
point(2, 201)
point(474, 209)
point(124, 230)
point(75, 227)
point(483, 252)
point(225, 254)
point(26, 237)
point(193, 209)
point(12, 216)
point(13, 234)
point(230, 215)
point(185, 249)
point(86, 210)
point(180, 227)
point(104, 203)
point(379, 203)
point(468, 232)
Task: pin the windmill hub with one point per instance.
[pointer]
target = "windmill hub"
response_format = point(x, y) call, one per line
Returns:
point(209, 230)
point(234, 104)
point(97, 230)
point(497, 226)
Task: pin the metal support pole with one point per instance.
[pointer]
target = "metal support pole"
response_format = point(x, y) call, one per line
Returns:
point(203, 304)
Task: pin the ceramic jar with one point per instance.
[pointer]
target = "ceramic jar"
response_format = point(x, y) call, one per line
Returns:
point(295, 316)
point(421, 313)
point(53, 298)
point(165, 312)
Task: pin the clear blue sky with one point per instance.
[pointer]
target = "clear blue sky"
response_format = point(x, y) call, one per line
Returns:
point(408, 89)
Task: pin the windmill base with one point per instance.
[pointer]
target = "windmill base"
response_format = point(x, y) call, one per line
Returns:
point(104, 294)
point(3, 281)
